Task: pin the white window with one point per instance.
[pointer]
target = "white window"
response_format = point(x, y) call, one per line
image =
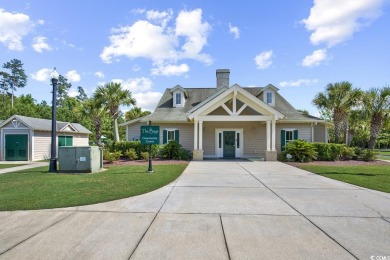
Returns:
point(178, 98)
point(269, 98)
point(171, 135)
point(289, 136)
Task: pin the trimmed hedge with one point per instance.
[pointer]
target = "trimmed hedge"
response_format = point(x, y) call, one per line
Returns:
point(328, 151)
point(139, 148)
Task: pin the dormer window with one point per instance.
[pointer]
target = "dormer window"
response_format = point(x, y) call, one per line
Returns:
point(179, 96)
point(178, 99)
point(269, 97)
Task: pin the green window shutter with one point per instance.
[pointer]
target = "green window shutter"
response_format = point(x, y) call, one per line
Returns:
point(61, 141)
point(177, 136)
point(165, 136)
point(295, 134)
point(283, 139)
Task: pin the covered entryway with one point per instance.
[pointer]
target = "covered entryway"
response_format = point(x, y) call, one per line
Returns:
point(16, 146)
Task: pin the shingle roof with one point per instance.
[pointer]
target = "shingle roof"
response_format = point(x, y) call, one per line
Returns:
point(45, 124)
point(165, 112)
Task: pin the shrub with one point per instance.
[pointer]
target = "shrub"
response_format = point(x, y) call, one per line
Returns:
point(328, 152)
point(111, 156)
point(171, 150)
point(131, 154)
point(368, 155)
point(347, 153)
point(301, 151)
point(145, 156)
point(124, 146)
point(185, 154)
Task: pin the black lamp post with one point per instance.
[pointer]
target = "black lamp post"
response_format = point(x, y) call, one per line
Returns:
point(150, 168)
point(53, 160)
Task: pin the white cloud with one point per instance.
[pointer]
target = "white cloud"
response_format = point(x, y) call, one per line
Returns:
point(39, 44)
point(147, 101)
point(171, 70)
point(315, 59)
point(42, 75)
point(298, 83)
point(235, 31)
point(334, 21)
point(99, 74)
point(263, 60)
point(189, 24)
point(13, 27)
point(136, 85)
point(73, 92)
point(161, 18)
point(155, 40)
point(73, 76)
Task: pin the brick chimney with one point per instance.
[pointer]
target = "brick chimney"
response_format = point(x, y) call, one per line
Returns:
point(222, 78)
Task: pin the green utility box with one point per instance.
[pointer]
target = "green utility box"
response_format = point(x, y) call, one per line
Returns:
point(80, 159)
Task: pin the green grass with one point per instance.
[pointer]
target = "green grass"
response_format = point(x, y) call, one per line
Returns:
point(38, 189)
point(5, 166)
point(376, 177)
point(384, 153)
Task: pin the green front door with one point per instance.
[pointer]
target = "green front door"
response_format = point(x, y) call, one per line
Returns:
point(229, 141)
point(16, 147)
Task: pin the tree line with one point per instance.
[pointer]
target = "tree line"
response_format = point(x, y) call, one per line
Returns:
point(360, 118)
point(99, 113)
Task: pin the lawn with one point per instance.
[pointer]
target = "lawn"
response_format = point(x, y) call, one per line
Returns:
point(376, 177)
point(5, 166)
point(38, 189)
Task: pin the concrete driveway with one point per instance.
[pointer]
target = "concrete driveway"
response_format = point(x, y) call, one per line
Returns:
point(215, 210)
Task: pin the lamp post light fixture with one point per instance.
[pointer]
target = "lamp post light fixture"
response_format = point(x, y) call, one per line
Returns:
point(53, 160)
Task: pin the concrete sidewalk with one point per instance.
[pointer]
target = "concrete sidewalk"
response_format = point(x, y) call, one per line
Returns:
point(29, 165)
point(215, 210)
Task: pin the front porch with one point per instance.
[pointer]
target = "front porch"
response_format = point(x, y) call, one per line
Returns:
point(235, 139)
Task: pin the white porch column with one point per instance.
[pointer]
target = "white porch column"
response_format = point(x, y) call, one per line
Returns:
point(268, 135)
point(195, 134)
point(273, 135)
point(200, 135)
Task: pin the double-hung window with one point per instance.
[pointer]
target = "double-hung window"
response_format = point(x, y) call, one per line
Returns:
point(178, 98)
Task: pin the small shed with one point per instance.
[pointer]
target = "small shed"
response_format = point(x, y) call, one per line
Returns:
point(25, 138)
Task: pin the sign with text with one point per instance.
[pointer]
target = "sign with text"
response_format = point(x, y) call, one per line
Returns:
point(150, 134)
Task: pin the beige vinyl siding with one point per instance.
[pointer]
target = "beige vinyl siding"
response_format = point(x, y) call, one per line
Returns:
point(304, 132)
point(42, 145)
point(254, 137)
point(134, 131)
point(319, 133)
point(80, 140)
point(186, 134)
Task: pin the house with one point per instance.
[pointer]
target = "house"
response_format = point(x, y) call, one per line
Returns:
point(29, 139)
point(229, 121)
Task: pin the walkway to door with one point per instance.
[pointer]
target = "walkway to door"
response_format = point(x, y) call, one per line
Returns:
point(215, 210)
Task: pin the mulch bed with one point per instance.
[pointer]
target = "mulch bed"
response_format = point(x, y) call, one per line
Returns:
point(341, 163)
point(123, 162)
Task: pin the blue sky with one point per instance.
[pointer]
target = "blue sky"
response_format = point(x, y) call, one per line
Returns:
point(298, 46)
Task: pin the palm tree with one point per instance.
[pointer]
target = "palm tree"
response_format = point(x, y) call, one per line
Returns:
point(339, 98)
point(376, 106)
point(111, 96)
point(93, 109)
point(135, 112)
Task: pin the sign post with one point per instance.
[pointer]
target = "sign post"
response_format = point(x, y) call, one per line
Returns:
point(150, 135)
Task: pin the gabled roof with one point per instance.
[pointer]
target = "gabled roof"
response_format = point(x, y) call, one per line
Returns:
point(236, 89)
point(199, 97)
point(40, 124)
point(178, 87)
